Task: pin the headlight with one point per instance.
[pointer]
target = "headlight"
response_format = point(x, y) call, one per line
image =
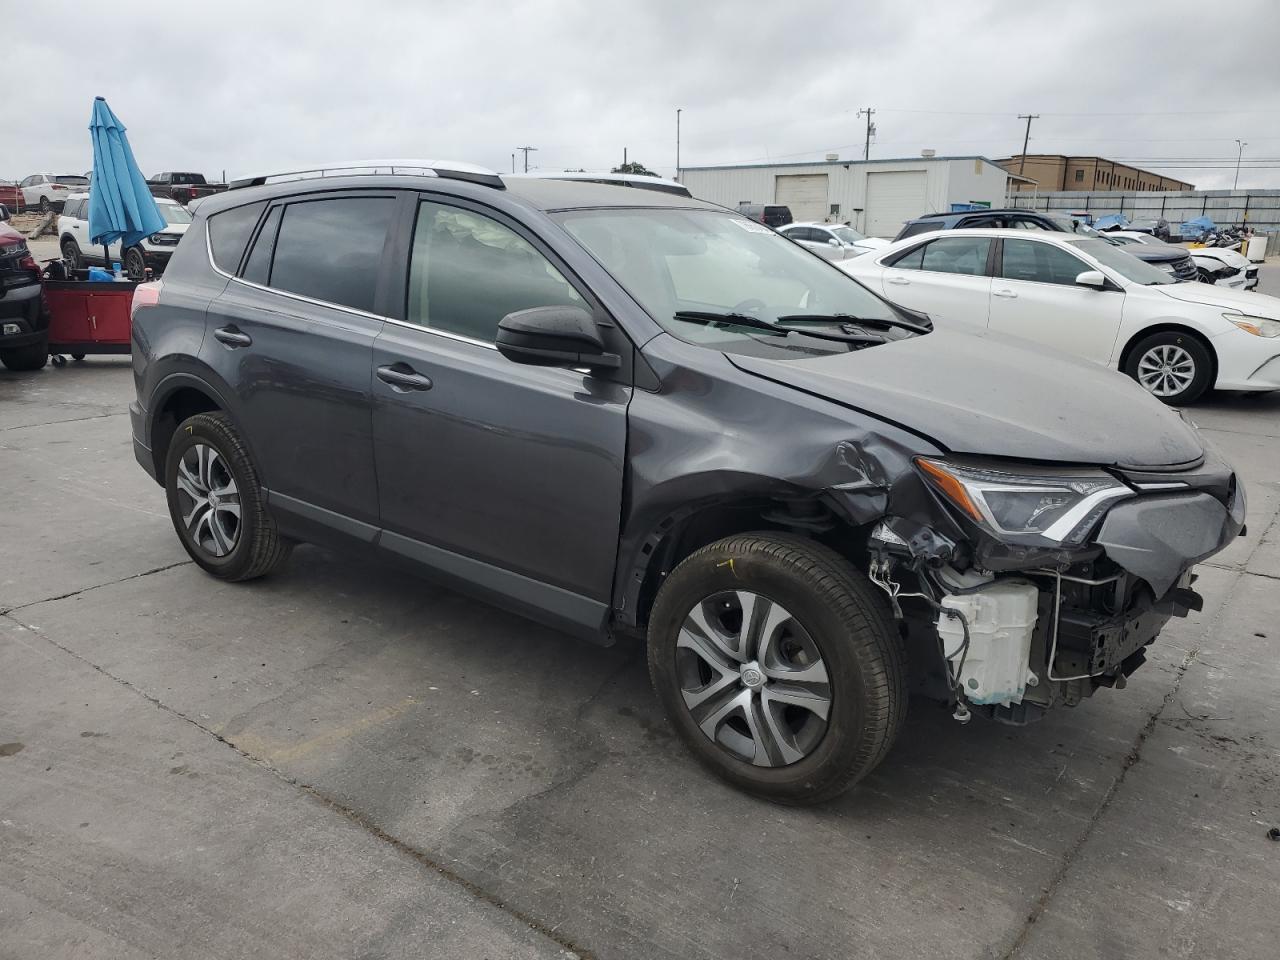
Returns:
point(1168, 268)
point(1258, 326)
point(1059, 507)
point(155, 238)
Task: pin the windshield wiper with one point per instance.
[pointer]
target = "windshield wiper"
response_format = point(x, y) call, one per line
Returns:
point(799, 319)
point(733, 319)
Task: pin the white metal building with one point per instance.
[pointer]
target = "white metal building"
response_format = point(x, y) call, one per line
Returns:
point(875, 196)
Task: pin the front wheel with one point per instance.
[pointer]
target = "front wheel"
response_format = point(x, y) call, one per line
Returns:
point(1173, 366)
point(216, 502)
point(135, 266)
point(32, 357)
point(778, 665)
point(71, 253)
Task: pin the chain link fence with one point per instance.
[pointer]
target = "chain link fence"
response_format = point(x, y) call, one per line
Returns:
point(1259, 209)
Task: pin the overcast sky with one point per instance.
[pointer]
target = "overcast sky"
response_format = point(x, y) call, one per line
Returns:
point(249, 87)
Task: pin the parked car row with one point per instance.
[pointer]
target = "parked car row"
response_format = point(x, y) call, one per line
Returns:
point(49, 191)
point(808, 496)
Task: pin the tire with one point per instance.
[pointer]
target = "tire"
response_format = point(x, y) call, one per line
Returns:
point(77, 356)
point(832, 623)
point(135, 265)
point(45, 205)
point(1190, 366)
point(1204, 276)
point(71, 252)
point(32, 357)
point(228, 547)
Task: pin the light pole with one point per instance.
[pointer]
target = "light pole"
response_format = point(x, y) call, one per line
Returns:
point(678, 111)
point(1240, 145)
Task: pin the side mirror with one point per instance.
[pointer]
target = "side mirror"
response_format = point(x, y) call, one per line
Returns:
point(561, 336)
point(1092, 278)
point(4, 213)
point(833, 242)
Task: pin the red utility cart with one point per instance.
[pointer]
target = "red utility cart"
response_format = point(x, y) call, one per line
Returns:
point(88, 317)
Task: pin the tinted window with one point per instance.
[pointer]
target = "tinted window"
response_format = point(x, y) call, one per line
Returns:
point(468, 272)
point(965, 255)
point(330, 249)
point(920, 226)
point(1040, 262)
point(257, 269)
point(975, 223)
point(229, 232)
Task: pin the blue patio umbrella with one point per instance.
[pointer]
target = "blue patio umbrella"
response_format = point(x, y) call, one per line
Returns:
point(120, 203)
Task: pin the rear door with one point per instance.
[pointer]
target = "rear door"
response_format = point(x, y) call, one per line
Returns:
point(1035, 295)
point(505, 475)
point(293, 336)
point(946, 278)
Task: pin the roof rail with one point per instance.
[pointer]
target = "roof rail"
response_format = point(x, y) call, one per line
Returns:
point(449, 169)
point(637, 180)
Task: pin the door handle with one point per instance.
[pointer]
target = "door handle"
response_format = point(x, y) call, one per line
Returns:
point(401, 376)
point(1005, 294)
point(898, 281)
point(232, 337)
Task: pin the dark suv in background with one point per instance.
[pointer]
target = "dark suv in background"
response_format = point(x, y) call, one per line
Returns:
point(770, 214)
point(1173, 260)
point(23, 317)
point(627, 412)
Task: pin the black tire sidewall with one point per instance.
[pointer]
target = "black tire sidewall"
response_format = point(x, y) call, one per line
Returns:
point(71, 251)
point(131, 254)
point(25, 359)
point(203, 429)
point(1203, 379)
point(704, 574)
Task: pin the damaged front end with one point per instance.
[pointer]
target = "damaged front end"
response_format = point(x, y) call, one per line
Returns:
point(1058, 580)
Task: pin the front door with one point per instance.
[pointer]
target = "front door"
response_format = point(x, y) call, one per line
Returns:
point(506, 476)
point(1035, 295)
point(945, 278)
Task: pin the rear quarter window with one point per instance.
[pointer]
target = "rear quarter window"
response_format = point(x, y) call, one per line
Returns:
point(229, 234)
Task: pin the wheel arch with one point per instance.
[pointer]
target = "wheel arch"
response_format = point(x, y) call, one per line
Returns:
point(684, 530)
point(1171, 327)
point(178, 397)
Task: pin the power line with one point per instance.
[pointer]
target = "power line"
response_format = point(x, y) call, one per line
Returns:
point(527, 151)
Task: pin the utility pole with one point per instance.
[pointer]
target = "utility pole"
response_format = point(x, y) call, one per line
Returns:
point(513, 161)
point(1022, 161)
point(1240, 144)
point(871, 129)
point(527, 151)
point(678, 109)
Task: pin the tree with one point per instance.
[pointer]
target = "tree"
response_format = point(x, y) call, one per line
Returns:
point(636, 168)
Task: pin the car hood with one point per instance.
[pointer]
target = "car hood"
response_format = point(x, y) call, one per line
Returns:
point(1222, 254)
point(1254, 304)
point(1157, 252)
point(9, 236)
point(872, 243)
point(996, 396)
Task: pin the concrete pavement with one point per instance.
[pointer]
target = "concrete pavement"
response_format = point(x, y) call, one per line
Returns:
point(341, 760)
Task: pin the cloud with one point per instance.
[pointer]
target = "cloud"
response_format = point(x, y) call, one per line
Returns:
point(243, 87)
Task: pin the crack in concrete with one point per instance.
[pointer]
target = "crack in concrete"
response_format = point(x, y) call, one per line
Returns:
point(361, 820)
point(51, 423)
point(96, 586)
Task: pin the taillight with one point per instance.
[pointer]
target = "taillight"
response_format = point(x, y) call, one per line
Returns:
point(145, 295)
point(29, 263)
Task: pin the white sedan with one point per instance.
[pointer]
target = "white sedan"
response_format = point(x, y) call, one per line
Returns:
point(832, 241)
point(48, 191)
point(1085, 296)
point(1219, 265)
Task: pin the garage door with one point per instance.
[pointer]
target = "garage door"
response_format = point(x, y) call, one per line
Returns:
point(892, 200)
point(805, 194)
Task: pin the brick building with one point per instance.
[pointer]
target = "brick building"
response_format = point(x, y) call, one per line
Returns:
point(1054, 171)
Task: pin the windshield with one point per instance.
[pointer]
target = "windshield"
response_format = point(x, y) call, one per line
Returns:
point(173, 213)
point(1125, 264)
point(706, 261)
point(72, 181)
point(848, 234)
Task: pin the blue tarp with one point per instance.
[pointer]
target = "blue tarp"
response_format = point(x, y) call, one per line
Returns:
point(1196, 228)
point(1111, 220)
point(120, 203)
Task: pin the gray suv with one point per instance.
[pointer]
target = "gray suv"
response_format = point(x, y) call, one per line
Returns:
point(630, 413)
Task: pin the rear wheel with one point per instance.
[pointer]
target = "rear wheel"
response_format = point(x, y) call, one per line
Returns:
point(71, 253)
point(778, 665)
point(1203, 275)
point(1173, 366)
point(32, 357)
point(45, 205)
point(216, 502)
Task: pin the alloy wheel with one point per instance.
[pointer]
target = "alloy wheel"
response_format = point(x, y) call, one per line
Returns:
point(1166, 370)
point(209, 500)
point(752, 678)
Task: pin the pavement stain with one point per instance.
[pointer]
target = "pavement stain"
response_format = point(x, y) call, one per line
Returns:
point(9, 749)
